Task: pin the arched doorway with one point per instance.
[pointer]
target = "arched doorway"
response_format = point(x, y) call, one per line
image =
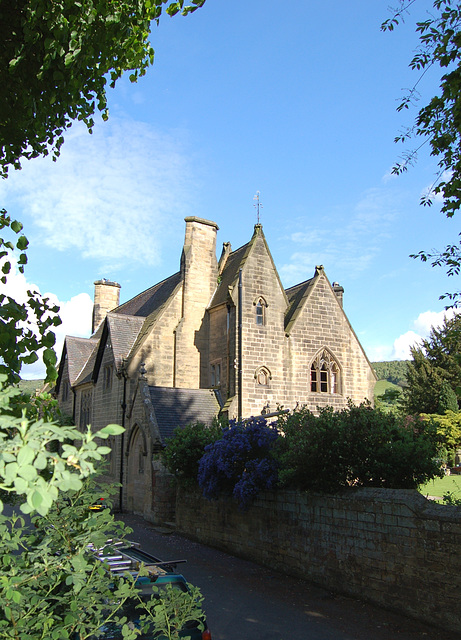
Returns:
point(138, 473)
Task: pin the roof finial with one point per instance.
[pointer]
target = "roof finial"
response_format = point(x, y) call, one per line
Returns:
point(257, 205)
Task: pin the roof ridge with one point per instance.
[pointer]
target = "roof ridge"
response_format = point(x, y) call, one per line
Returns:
point(141, 293)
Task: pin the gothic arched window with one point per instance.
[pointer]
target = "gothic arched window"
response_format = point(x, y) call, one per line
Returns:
point(261, 306)
point(325, 373)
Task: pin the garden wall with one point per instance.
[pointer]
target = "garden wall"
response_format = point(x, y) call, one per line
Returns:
point(390, 547)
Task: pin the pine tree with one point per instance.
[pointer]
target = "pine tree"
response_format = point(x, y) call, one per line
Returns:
point(434, 374)
point(447, 399)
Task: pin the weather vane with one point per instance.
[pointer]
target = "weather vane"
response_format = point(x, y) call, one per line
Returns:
point(257, 204)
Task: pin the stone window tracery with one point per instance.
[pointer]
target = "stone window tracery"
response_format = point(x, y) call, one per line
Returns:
point(325, 374)
point(263, 376)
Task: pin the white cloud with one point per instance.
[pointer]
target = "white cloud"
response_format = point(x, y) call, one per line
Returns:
point(428, 319)
point(379, 353)
point(401, 347)
point(421, 329)
point(75, 314)
point(111, 195)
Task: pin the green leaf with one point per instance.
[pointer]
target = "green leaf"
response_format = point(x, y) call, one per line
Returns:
point(28, 472)
point(20, 485)
point(49, 357)
point(40, 461)
point(22, 243)
point(25, 456)
point(11, 471)
point(104, 450)
point(110, 430)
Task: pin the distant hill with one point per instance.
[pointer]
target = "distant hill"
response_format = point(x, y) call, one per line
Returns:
point(30, 386)
point(394, 371)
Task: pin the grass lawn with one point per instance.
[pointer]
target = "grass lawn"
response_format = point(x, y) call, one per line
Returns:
point(439, 486)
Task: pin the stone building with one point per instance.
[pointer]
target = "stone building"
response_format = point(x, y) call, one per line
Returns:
point(216, 337)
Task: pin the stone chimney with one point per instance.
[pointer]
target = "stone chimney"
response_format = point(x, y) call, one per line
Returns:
point(199, 269)
point(339, 292)
point(226, 251)
point(106, 298)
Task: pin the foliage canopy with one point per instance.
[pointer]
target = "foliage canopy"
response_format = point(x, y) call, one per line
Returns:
point(56, 59)
point(26, 329)
point(394, 371)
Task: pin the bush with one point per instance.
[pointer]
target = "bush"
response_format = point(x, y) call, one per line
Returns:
point(241, 463)
point(448, 427)
point(184, 450)
point(358, 446)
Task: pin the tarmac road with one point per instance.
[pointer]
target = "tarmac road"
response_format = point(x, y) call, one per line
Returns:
point(244, 601)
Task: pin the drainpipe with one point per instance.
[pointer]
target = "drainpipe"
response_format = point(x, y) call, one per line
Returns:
point(228, 352)
point(240, 347)
point(122, 438)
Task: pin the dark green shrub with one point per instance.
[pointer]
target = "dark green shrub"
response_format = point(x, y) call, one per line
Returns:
point(184, 450)
point(311, 453)
point(358, 446)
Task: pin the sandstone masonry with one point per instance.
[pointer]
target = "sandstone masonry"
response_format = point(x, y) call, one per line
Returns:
point(393, 548)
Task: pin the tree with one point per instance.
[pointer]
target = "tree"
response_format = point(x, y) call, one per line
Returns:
point(438, 122)
point(448, 400)
point(436, 367)
point(448, 428)
point(26, 329)
point(56, 59)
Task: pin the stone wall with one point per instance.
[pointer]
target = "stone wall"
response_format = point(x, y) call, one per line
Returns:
point(392, 548)
point(322, 324)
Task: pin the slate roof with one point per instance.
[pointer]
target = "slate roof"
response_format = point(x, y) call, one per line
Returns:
point(296, 296)
point(124, 330)
point(229, 275)
point(78, 351)
point(86, 374)
point(179, 407)
point(151, 300)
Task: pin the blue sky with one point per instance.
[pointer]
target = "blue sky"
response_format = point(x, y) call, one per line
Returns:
point(296, 101)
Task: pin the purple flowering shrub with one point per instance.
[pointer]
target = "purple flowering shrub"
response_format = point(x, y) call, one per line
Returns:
point(241, 462)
